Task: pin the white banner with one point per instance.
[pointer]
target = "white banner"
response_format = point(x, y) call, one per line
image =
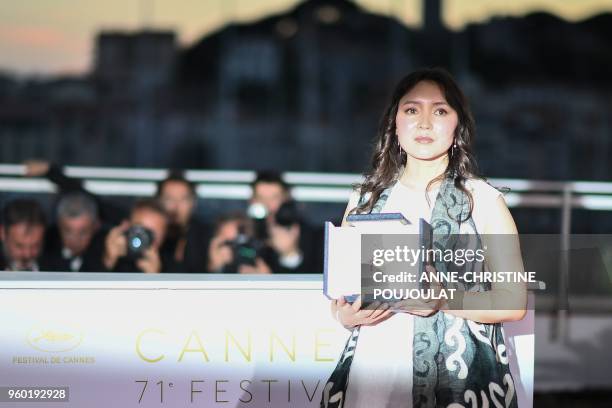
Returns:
point(226, 342)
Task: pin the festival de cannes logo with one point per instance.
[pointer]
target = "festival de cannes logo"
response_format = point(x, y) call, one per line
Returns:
point(54, 339)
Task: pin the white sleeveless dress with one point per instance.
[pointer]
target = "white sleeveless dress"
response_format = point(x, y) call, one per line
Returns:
point(381, 372)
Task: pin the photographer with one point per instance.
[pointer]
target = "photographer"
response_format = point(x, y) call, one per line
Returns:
point(269, 190)
point(22, 234)
point(76, 243)
point(233, 248)
point(186, 235)
point(134, 245)
point(292, 246)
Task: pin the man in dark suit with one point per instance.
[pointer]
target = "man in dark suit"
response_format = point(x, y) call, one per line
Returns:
point(22, 234)
point(76, 243)
point(293, 246)
point(186, 246)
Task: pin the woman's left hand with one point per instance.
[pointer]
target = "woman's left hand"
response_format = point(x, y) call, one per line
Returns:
point(420, 307)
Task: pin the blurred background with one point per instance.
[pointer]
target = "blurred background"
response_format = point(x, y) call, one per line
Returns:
point(120, 91)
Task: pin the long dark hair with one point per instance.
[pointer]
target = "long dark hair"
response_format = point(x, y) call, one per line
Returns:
point(388, 157)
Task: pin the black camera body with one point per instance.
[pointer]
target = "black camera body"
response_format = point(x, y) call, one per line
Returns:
point(288, 214)
point(139, 239)
point(248, 246)
point(245, 250)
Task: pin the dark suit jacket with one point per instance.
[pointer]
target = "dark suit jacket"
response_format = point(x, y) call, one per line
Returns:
point(195, 259)
point(52, 258)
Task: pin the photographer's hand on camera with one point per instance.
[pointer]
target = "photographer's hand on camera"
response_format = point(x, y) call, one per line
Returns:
point(285, 240)
point(219, 254)
point(36, 168)
point(115, 245)
point(260, 267)
point(150, 262)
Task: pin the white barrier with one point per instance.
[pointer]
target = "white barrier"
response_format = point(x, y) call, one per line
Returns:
point(177, 340)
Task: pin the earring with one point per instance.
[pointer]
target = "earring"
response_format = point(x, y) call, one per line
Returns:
point(453, 147)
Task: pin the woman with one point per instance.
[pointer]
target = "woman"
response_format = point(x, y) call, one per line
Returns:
point(431, 354)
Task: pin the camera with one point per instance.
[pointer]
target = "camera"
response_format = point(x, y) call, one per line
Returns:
point(245, 250)
point(287, 214)
point(139, 239)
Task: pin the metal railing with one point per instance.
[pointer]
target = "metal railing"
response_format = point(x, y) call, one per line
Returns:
point(317, 187)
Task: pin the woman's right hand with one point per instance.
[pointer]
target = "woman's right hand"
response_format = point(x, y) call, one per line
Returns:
point(351, 315)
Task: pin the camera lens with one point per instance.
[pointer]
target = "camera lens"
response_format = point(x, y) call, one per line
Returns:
point(139, 239)
point(136, 242)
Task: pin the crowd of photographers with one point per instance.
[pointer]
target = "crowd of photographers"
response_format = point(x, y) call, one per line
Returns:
point(158, 234)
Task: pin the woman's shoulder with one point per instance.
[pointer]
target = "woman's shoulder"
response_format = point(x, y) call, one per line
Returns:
point(357, 197)
point(490, 216)
point(482, 190)
point(354, 197)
